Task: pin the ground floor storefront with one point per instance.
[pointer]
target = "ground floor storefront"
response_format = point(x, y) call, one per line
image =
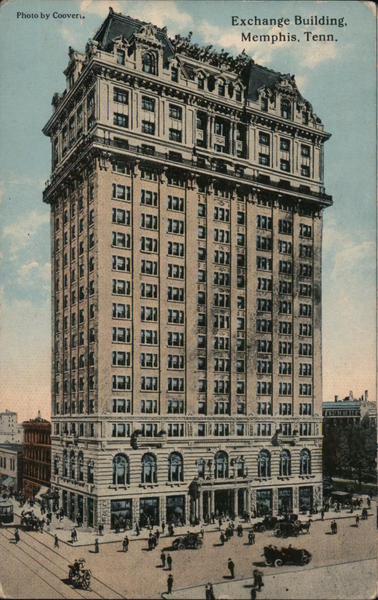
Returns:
point(200, 503)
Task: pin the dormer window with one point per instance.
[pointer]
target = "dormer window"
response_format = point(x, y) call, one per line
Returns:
point(264, 104)
point(174, 74)
point(238, 95)
point(120, 57)
point(148, 63)
point(285, 109)
point(221, 88)
point(201, 83)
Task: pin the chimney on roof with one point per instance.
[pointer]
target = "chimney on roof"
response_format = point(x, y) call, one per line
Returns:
point(336, 398)
point(39, 414)
point(351, 395)
point(366, 395)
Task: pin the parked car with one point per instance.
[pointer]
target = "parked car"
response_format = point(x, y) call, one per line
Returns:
point(294, 556)
point(269, 522)
point(190, 540)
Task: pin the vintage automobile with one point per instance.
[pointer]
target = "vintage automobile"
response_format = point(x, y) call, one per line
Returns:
point(293, 556)
point(78, 575)
point(268, 522)
point(190, 540)
point(6, 511)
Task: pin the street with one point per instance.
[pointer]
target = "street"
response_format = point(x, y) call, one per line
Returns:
point(34, 569)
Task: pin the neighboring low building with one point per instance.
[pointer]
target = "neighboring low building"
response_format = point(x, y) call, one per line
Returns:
point(36, 456)
point(349, 410)
point(11, 466)
point(9, 428)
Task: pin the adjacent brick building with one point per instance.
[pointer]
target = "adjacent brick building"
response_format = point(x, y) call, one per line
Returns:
point(36, 456)
point(186, 202)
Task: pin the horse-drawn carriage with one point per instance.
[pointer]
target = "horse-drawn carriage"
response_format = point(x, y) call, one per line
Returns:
point(30, 521)
point(79, 576)
point(291, 528)
point(294, 556)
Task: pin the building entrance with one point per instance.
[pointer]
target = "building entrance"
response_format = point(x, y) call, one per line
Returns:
point(121, 516)
point(264, 502)
point(305, 497)
point(148, 511)
point(175, 510)
point(224, 502)
point(90, 516)
point(285, 500)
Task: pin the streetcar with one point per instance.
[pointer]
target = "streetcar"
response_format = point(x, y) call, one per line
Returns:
point(6, 511)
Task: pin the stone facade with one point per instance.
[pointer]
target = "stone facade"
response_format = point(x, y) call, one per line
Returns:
point(11, 466)
point(36, 456)
point(186, 228)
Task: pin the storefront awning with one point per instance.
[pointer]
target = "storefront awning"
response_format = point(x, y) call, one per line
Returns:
point(43, 490)
point(8, 482)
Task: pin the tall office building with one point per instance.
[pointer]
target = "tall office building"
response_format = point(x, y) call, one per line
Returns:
point(186, 227)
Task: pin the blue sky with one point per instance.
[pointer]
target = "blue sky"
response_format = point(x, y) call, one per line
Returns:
point(337, 77)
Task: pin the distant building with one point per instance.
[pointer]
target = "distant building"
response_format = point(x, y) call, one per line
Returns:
point(36, 456)
point(11, 466)
point(9, 428)
point(349, 410)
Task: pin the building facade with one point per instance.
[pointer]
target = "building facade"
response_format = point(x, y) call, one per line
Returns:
point(186, 202)
point(9, 428)
point(349, 411)
point(36, 456)
point(11, 467)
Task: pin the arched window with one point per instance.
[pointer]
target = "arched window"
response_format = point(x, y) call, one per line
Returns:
point(148, 63)
point(56, 465)
point(285, 463)
point(305, 462)
point(221, 465)
point(263, 464)
point(90, 471)
point(149, 471)
point(80, 465)
point(221, 87)
point(72, 464)
point(175, 467)
point(65, 464)
point(201, 81)
point(285, 109)
point(120, 470)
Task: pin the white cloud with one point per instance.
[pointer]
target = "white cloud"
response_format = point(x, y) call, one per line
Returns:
point(20, 233)
point(33, 272)
point(164, 12)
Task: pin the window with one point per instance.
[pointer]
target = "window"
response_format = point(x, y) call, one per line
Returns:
point(305, 230)
point(305, 310)
point(148, 198)
point(264, 104)
point(148, 244)
point(121, 405)
point(121, 192)
point(285, 247)
point(121, 382)
point(121, 359)
point(121, 263)
point(148, 127)
point(121, 471)
point(120, 120)
point(175, 226)
point(305, 389)
point(305, 408)
point(264, 222)
point(285, 463)
point(285, 267)
point(305, 171)
point(220, 464)
point(285, 226)
point(175, 294)
point(148, 103)
point(175, 112)
point(120, 56)
point(149, 63)
point(148, 336)
point(284, 388)
point(174, 74)
point(264, 285)
point(175, 203)
point(285, 109)
point(175, 249)
point(175, 339)
point(175, 316)
point(305, 150)
point(121, 96)
point(264, 388)
point(263, 464)
point(285, 287)
point(121, 287)
point(175, 135)
point(264, 263)
point(149, 469)
point(263, 325)
point(305, 329)
point(305, 462)
point(121, 335)
point(175, 467)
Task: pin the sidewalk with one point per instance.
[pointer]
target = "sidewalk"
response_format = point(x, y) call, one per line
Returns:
point(87, 536)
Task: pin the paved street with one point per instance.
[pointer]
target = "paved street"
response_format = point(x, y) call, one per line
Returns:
point(33, 569)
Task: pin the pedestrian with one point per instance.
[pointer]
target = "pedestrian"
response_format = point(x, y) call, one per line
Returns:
point(137, 529)
point(169, 562)
point(97, 546)
point(157, 535)
point(16, 536)
point(162, 558)
point(251, 538)
point(253, 593)
point(202, 532)
point(212, 517)
point(125, 544)
point(231, 568)
point(240, 530)
point(357, 520)
point(72, 536)
point(222, 538)
point(209, 592)
point(163, 526)
point(322, 514)
point(257, 579)
point(368, 501)
point(56, 541)
point(170, 583)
